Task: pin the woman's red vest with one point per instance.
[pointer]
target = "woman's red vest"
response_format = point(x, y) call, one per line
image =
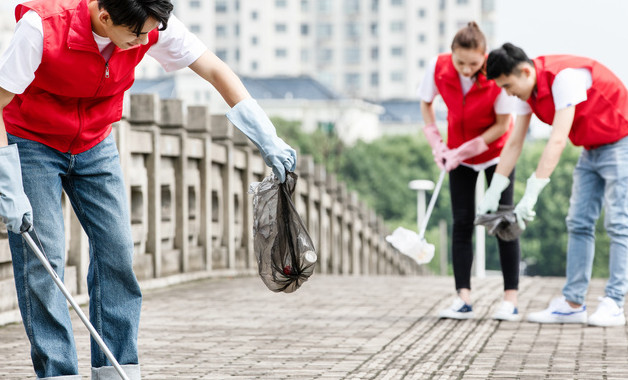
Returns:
point(75, 95)
point(468, 116)
point(601, 119)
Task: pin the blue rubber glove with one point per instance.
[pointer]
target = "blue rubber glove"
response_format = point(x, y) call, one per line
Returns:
point(15, 209)
point(525, 208)
point(249, 118)
point(493, 194)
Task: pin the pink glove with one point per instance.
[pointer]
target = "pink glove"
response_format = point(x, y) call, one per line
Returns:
point(436, 142)
point(471, 148)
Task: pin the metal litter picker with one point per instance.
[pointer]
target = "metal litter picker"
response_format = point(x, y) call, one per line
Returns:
point(44, 260)
point(411, 244)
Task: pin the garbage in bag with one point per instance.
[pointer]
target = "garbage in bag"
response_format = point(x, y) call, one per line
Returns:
point(411, 244)
point(502, 223)
point(285, 253)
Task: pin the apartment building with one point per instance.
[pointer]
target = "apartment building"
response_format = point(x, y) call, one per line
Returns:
point(372, 49)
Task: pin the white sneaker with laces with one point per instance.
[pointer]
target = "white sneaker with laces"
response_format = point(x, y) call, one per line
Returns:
point(458, 310)
point(559, 311)
point(607, 314)
point(507, 311)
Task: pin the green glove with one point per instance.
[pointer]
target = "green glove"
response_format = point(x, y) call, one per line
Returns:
point(525, 208)
point(493, 194)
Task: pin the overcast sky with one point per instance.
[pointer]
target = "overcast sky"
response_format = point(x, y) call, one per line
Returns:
point(594, 28)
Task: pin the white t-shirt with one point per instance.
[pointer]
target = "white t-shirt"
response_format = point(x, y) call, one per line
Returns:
point(504, 104)
point(177, 48)
point(569, 88)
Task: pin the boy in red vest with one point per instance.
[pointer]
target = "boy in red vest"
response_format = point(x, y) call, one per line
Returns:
point(62, 81)
point(586, 103)
point(478, 124)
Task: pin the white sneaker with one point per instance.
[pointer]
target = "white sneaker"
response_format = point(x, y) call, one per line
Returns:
point(507, 311)
point(607, 314)
point(559, 311)
point(458, 310)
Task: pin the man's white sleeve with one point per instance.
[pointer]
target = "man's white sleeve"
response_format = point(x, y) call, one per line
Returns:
point(427, 89)
point(177, 47)
point(570, 87)
point(23, 55)
point(504, 104)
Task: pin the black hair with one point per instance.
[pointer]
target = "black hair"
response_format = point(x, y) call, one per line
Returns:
point(505, 61)
point(134, 13)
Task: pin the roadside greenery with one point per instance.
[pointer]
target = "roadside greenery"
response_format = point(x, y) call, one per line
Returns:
point(380, 171)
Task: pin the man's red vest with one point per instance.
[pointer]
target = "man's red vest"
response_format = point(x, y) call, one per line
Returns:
point(468, 116)
point(601, 119)
point(75, 95)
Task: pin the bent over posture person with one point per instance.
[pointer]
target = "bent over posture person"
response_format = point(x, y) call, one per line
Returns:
point(479, 123)
point(586, 103)
point(62, 81)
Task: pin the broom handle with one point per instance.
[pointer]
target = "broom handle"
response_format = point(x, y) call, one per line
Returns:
point(430, 206)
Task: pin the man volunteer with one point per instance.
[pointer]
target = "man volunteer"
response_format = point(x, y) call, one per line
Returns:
point(584, 101)
point(62, 81)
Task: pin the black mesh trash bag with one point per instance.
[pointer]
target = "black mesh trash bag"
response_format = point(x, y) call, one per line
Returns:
point(502, 223)
point(285, 253)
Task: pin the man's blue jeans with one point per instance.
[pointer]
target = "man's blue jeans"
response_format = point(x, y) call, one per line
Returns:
point(600, 178)
point(93, 182)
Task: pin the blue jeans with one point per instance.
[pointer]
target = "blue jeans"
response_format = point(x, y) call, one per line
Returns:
point(600, 178)
point(93, 182)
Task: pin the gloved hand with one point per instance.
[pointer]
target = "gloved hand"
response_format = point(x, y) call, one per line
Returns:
point(525, 208)
point(471, 148)
point(15, 209)
point(493, 194)
point(436, 142)
point(249, 118)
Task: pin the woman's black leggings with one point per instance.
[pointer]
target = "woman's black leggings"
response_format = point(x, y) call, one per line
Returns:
point(462, 182)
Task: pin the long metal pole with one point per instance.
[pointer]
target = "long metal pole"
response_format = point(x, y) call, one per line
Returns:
point(75, 306)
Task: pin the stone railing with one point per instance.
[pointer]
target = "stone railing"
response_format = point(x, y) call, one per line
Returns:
point(191, 213)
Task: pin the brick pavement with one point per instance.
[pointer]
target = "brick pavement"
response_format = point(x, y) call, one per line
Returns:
point(350, 328)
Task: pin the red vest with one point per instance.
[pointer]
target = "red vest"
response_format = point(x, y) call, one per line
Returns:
point(601, 119)
point(75, 95)
point(468, 116)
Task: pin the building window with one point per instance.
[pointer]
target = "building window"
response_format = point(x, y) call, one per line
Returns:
point(254, 40)
point(374, 79)
point(352, 55)
point(221, 30)
point(375, 53)
point(280, 3)
point(421, 38)
point(352, 80)
point(195, 28)
point(280, 28)
point(353, 30)
point(374, 29)
point(352, 6)
point(374, 5)
point(396, 51)
point(396, 76)
point(305, 6)
point(488, 5)
point(441, 28)
point(236, 29)
point(305, 55)
point(421, 63)
point(442, 5)
point(396, 3)
point(422, 13)
point(462, 2)
point(195, 3)
point(221, 6)
point(281, 53)
point(324, 6)
point(305, 29)
point(254, 65)
point(324, 30)
point(325, 56)
point(397, 26)
point(254, 15)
